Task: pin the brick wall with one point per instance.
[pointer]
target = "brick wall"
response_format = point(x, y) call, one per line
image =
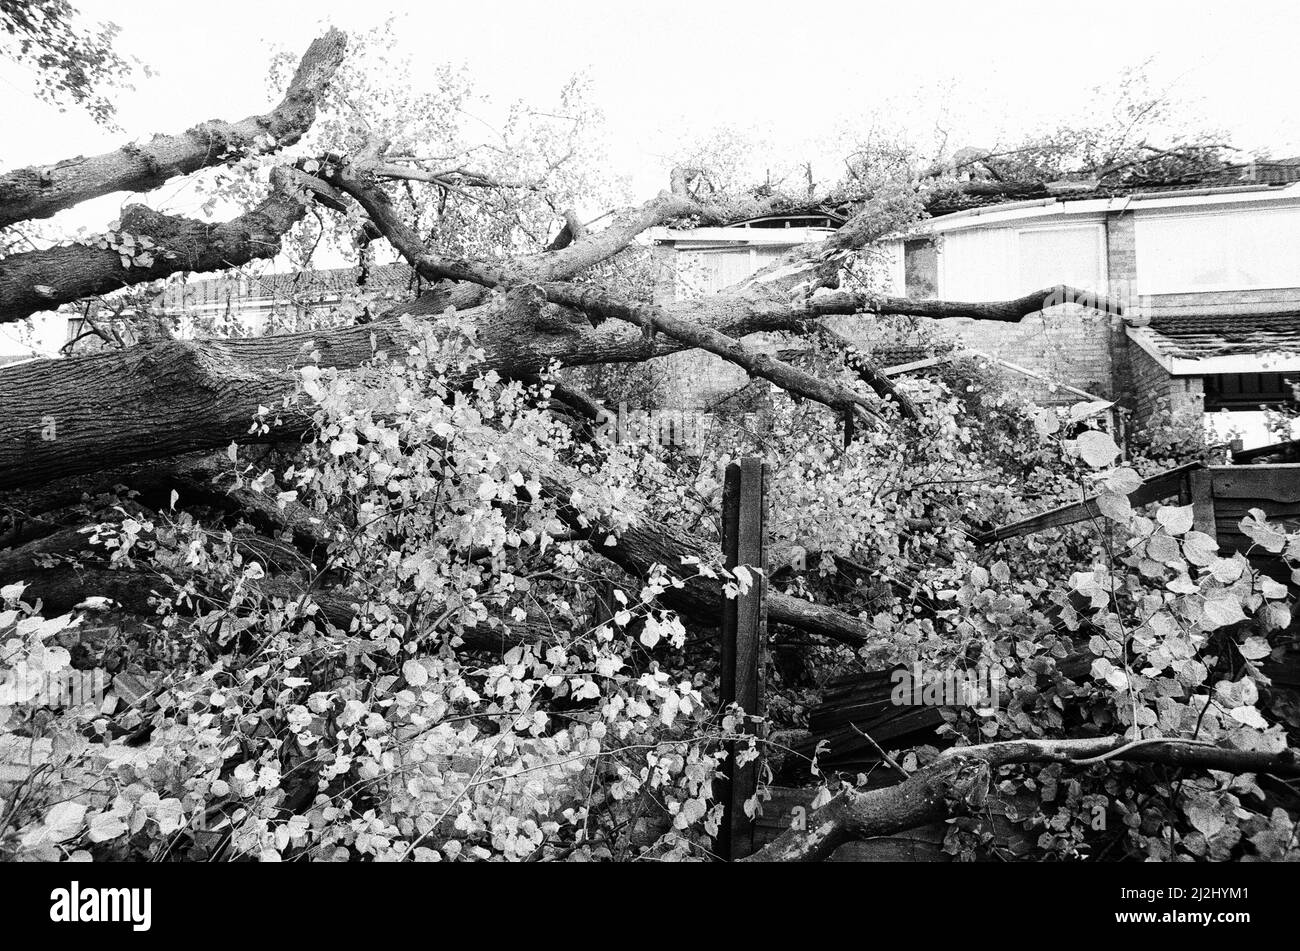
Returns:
point(1121, 276)
point(1154, 389)
point(1066, 344)
point(1150, 383)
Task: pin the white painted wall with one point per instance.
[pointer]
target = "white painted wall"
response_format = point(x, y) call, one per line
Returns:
point(1218, 250)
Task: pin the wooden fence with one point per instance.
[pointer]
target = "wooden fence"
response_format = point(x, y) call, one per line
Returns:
point(856, 707)
point(1221, 497)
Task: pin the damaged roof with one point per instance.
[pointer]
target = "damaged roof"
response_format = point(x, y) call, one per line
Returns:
point(1261, 174)
point(1202, 336)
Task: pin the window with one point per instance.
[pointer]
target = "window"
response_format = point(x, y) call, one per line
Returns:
point(1231, 250)
point(1061, 256)
point(987, 264)
point(1246, 391)
point(709, 270)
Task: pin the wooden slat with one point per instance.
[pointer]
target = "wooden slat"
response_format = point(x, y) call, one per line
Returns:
point(1161, 486)
point(1276, 483)
point(1286, 451)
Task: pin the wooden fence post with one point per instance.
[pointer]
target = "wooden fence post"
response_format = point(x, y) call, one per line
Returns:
point(603, 606)
point(744, 639)
point(1200, 484)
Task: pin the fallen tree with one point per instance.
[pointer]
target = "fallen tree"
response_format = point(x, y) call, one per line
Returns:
point(172, 396)
point(115, 427)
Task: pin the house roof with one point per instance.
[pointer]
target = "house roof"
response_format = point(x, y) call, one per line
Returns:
point(1215, 343)
point(1264, 179)
point(785, 217)
point(969, 195)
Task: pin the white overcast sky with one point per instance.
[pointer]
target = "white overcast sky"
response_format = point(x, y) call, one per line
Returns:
point(666, 72)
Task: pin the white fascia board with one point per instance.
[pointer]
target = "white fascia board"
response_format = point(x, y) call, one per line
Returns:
point(1289, 194)
point(1274, 361)
point(738, 236)
point(995, 214)
point(1056, 207)
point(1049, 211)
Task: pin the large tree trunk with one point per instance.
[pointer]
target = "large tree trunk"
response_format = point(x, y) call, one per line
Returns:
point(86, 413)
point(83, 414)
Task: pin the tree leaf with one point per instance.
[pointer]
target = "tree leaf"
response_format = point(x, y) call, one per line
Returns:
point(1175, 519)
point(1096, 448)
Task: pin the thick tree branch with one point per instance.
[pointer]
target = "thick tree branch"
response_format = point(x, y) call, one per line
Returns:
point(43, 280)
point(929, 795)
point(40, 191)
point(843, 302)
point(870, 374)
point(568, 261)
point(790, 378)
point(564, 260)
point(960, 777)
point(572, 231)
point(581, 255)
point(168, 397)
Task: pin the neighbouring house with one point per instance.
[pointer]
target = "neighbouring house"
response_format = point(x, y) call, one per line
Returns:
point(245, 304)
point(1208, 276)
point(701, 261)
point(255, 300)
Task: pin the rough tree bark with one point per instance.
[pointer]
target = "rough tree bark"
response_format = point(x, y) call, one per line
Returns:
point(43, 280)
point(959, 779)
point(42, 190)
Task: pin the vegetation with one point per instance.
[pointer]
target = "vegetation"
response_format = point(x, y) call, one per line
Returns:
point(380, 591)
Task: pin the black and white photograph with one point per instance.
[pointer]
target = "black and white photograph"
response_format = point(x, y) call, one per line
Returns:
point(603, 433)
